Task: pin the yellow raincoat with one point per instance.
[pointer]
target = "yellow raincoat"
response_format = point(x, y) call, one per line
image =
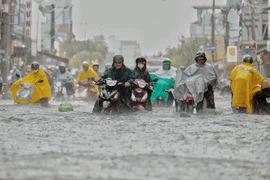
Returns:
point(245, 79)
point(84, 75)
point(42, 90)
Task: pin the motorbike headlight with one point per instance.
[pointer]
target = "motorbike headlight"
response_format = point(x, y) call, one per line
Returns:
point(58, 84)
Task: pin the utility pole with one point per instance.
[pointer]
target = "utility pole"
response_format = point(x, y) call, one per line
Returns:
point(213, 27)
point(52, 27)
point(10, 35)
point(5, 39)
point(253, 20)
point(204, 38)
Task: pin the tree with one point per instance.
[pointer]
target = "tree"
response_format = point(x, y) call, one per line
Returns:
point(96, 49)
point(184, 55)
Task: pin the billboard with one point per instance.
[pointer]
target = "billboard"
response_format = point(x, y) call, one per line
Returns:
point(231, 54)
point(28, 18)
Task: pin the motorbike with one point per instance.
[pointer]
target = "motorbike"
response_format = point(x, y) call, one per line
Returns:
point(59, 96)
point(188, 105)
point(160, 101)
point(109, 95)
point(25, 92)
point(261, 100)
point(224, 87)
point(82, 92)
point(63, 88)
point(140, 95)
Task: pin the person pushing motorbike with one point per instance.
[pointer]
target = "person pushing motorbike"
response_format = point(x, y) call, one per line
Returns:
point(140, 72)
point(118, 71)
point(244, 83)
point(37, 78)
point(86, 78)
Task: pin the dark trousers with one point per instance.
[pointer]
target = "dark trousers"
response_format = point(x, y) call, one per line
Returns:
point(1, 88)
point(209, 96)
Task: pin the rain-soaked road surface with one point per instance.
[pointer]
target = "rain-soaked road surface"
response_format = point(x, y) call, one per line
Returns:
point(42, 143)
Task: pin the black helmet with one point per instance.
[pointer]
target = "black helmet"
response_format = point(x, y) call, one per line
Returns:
point(35, 65)
point(118, 58)
point(141, 59)
point(248, 58)
point(62, 68)
point(200, 54)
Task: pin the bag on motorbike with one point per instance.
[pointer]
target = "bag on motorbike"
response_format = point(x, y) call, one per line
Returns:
point(65, 107)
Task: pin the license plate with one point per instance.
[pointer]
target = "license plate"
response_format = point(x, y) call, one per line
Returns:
point(268, 100)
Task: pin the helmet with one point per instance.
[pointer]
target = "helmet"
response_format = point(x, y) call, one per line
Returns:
point(62, 67)
point(118, 58)
point(183, 68)
point(141, 59)
point(166, 61)
point(200, 54)
point(107, 65)
point(248, 58)
point(35, 65)
point(85, 63)
point(95, 64)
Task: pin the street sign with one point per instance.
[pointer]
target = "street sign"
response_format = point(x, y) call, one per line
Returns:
point(268, 45)
point(246, 51)
point(210, 47)
point(19, 51)
point(231, 54)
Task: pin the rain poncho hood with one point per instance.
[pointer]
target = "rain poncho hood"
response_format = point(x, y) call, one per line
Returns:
point(244, 79)
point(84, 75)
point(194, 80)
point(42, 90)
point(170, 73)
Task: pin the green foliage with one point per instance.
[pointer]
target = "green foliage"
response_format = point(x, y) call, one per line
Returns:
point(97, 48)
point(77, 59)
point(184, 55)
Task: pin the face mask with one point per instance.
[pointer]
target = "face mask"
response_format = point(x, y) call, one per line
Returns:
point(140, 66)
point(35, 71)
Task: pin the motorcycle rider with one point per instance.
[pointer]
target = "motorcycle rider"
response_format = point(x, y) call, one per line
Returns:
point(118, 71)
point(66, 79)
point(208, 72)
point(95, 67)
point(37, 78)
point(86, 77)
point(107, 66)
point(140, 72)
point(165, 75)
point(244, 80)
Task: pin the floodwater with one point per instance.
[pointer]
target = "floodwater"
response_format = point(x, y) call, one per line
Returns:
point(42, 143)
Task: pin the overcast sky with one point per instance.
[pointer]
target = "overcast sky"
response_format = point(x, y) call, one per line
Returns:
point(155, 24)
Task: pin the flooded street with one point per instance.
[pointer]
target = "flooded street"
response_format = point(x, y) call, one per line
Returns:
point(42, 143)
